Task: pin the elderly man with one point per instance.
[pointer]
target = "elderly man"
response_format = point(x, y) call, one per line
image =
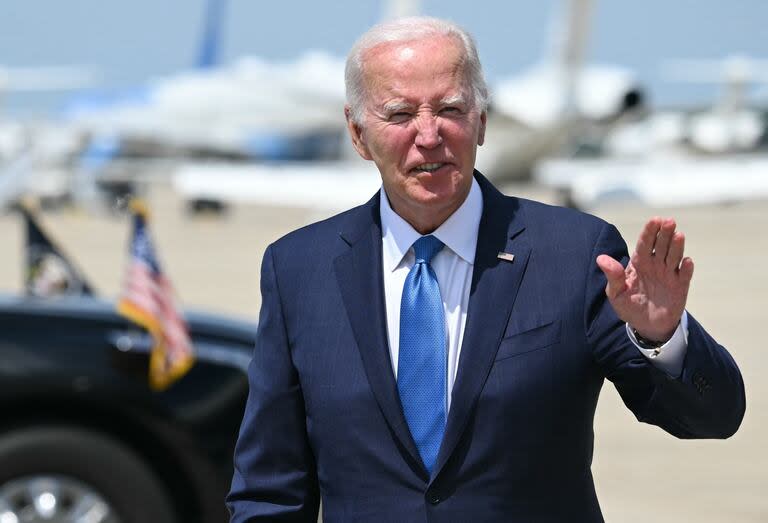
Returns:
point(436, 354)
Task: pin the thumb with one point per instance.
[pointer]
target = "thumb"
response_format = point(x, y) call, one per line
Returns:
point(614, 272)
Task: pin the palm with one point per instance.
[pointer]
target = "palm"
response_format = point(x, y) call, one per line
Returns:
point(650, 294)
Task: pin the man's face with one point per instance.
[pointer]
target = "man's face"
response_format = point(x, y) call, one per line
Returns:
point(420, 126)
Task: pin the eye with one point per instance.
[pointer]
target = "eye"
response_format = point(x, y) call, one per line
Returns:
point(451, 110)
point(399, 116)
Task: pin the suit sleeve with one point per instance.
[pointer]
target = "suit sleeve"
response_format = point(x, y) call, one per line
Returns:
point(707, 399)
point(274, 478)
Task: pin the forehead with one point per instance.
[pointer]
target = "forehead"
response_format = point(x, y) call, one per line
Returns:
point(425, 67)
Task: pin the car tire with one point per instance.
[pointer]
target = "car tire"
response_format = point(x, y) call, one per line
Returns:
point(79, 466)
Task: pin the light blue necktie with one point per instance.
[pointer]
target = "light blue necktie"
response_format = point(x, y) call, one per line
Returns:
point(421, 363)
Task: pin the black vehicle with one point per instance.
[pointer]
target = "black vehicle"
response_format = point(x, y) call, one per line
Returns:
point(82, 436)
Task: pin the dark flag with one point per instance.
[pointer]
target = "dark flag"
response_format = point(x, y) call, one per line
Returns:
point(48, 271)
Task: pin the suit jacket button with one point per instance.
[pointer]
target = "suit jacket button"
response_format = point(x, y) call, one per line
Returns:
point(433, 497)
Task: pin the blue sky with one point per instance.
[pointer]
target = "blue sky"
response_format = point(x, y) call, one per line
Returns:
point(127, 42)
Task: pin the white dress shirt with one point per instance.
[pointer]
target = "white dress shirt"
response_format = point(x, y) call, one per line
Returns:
point(453, 267)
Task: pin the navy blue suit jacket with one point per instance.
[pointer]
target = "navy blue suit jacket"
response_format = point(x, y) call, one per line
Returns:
point(324, 420)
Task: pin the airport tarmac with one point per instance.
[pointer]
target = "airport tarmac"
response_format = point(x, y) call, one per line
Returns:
point(642, 474)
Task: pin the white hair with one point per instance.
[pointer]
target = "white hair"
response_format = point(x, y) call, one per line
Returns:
point(405, 30)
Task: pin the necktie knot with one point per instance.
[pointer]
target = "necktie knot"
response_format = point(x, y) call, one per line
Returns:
point(426, 247)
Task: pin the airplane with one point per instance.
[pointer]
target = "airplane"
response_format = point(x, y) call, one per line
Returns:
point(16, 134)
point(532, 115)
point(283, 111)
point(537, 111)
point(263, 111)
point(34, 155)
point(322, 187)
point(734, 123)
point(251, 109)
point(692, 157)
point(290, 111)
point(659, 180)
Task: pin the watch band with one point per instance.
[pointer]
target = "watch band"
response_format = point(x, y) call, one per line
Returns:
point(645, 343)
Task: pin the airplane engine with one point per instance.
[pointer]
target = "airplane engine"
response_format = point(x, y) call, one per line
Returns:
point(543, 96)
point(604, 93)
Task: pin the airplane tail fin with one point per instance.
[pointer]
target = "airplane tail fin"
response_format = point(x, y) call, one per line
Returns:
point(567, 43)
point(569, 33)
point(210, 45)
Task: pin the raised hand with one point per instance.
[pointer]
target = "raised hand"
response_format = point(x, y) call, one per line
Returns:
point(650, 294)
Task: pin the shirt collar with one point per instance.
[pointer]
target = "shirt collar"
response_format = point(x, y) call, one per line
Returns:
point(458, 232)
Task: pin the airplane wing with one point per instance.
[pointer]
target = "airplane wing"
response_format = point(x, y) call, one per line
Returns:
point(328, 186)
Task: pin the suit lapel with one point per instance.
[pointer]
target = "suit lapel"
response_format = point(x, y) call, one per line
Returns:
point(495, 283)
point(359, 275)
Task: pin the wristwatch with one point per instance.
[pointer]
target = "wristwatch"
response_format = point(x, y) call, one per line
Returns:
point(645, 343)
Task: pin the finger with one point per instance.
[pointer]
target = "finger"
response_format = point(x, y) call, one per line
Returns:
point(661, 247)
point(614, 273)
point(647, 238)
point(686, 271)
point(676, 249)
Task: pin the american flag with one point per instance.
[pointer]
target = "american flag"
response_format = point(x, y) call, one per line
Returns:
point(148, 300)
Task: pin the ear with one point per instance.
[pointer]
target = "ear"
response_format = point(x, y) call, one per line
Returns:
point(356, 133)
point(481, 134)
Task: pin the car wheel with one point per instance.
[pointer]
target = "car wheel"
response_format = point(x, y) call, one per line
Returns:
point(72, 475)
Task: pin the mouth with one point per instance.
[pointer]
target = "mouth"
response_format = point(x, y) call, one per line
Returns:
point(428, 167)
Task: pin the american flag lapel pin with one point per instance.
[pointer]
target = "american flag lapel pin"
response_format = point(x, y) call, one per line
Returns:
point(506, 256)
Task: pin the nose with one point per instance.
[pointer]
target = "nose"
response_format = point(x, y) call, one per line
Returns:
point(428, 131)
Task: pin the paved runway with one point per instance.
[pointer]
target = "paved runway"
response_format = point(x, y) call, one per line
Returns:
point(642, 474)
